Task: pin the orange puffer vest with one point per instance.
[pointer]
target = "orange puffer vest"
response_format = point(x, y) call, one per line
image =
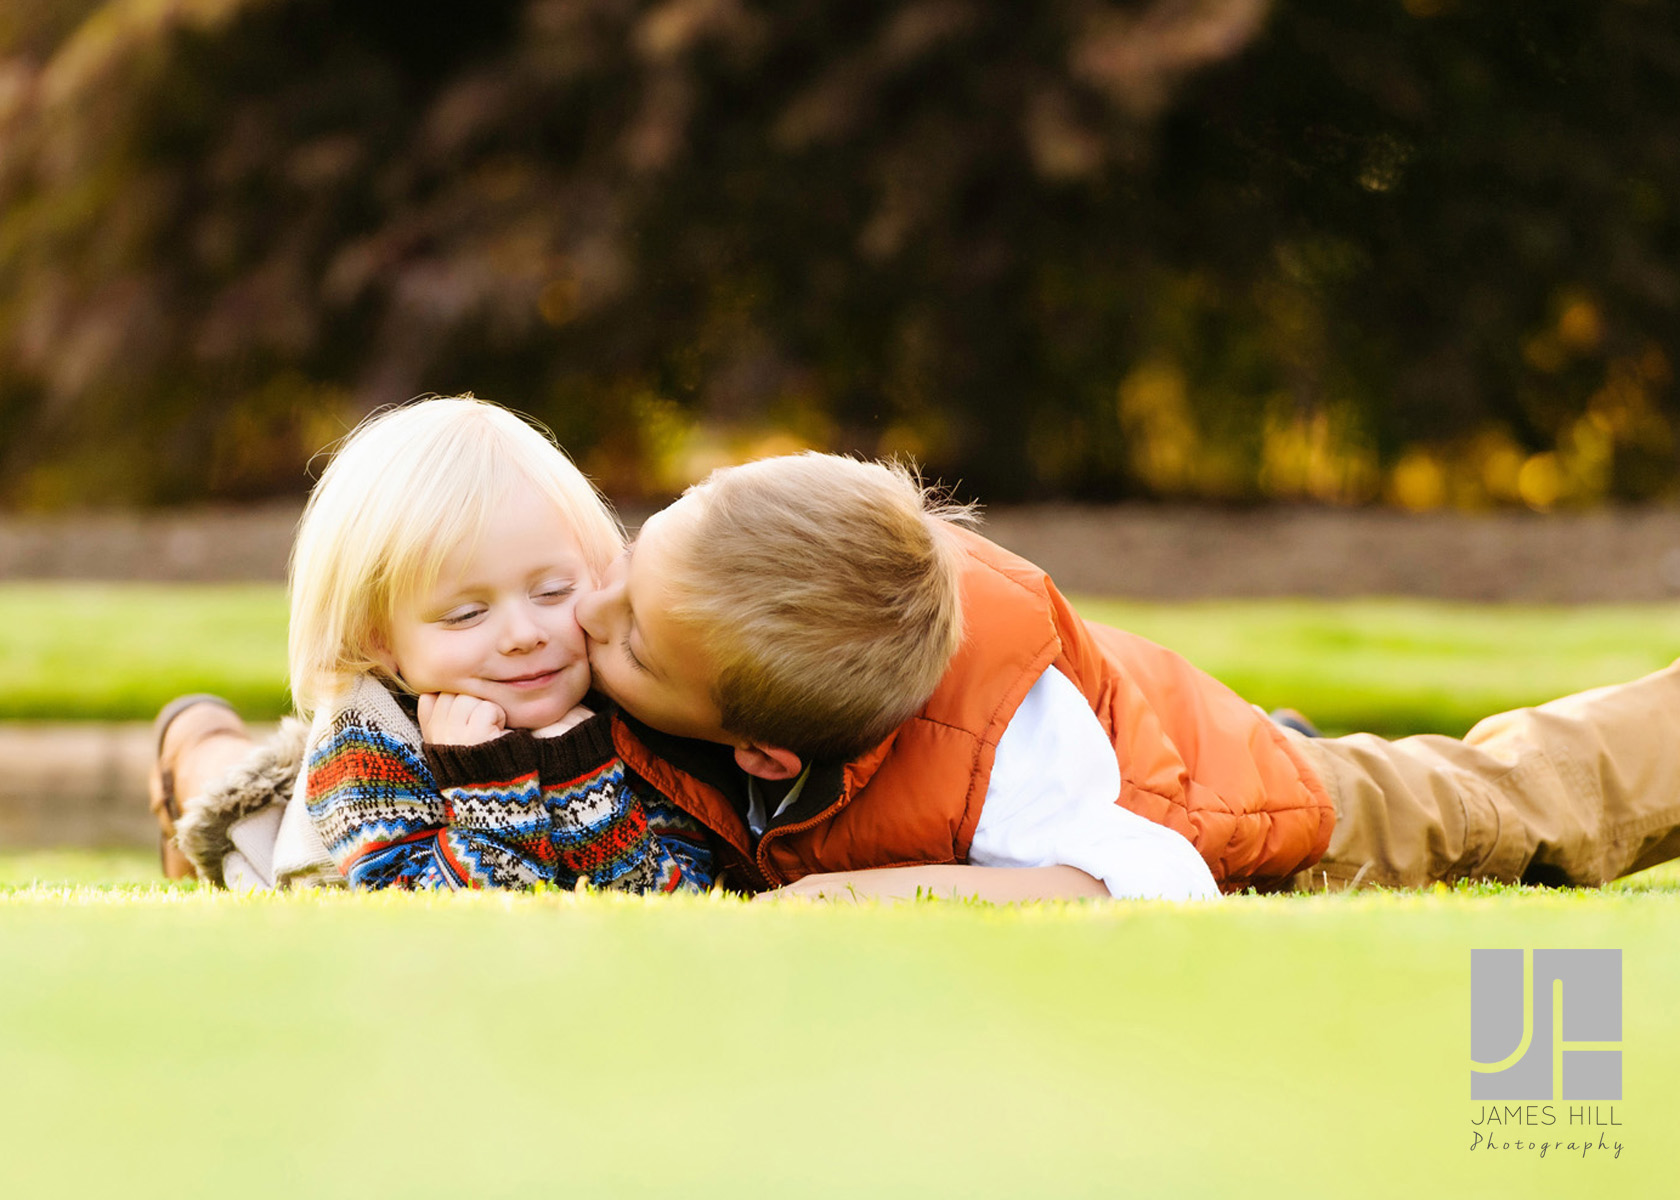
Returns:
point(1193, 755)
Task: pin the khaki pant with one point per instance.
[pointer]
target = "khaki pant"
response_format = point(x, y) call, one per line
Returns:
point(1578, 791)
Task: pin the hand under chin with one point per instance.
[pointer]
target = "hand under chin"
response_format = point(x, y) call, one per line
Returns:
point(576, 716)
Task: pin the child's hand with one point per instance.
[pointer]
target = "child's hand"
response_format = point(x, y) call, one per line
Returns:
point(448, 719)
point(577, 716)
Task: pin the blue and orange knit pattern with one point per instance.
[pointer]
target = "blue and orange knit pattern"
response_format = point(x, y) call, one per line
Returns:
point(514, 812)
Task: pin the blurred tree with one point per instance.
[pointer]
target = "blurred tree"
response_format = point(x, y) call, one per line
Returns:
point(1423, 250)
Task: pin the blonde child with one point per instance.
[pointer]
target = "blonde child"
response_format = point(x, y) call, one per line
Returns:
point(435, 651)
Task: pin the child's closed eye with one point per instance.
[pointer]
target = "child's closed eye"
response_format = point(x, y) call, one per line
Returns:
point(465, 615)
point(552, 592)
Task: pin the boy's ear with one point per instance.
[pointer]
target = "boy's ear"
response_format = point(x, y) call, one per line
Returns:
point(768, 762)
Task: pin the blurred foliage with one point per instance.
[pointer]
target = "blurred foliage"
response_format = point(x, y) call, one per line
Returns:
point(1426, 252)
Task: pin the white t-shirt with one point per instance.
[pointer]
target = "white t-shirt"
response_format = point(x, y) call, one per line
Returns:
point(1050, 802)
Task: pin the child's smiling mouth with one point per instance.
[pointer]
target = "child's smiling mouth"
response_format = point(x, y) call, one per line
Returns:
point(535, 680)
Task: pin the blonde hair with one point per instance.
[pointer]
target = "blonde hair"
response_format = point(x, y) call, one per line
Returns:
point(405, 488)
point(825, 592)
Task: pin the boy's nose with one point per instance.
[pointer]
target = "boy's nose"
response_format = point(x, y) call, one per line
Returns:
point(591, 613)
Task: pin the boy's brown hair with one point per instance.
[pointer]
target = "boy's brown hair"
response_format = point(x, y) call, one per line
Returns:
point(825, 591)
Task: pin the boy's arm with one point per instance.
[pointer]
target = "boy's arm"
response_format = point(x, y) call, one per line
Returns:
point(1051, 800)
point(999, 885)
point(610, 827)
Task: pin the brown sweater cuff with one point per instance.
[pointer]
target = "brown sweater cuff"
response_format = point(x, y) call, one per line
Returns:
point(501, 760)
point(582, 749)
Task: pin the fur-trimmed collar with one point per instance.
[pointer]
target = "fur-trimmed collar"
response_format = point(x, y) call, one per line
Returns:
point(263, 777)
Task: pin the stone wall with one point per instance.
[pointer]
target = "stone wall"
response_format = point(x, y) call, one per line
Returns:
point(1148, 552)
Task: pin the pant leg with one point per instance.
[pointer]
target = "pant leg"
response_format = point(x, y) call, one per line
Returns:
point(1578, 791)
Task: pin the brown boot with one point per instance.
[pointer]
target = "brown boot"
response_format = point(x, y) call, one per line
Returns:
point(197, 737)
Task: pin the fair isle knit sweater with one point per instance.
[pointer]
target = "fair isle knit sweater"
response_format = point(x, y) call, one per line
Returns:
point(513, 812)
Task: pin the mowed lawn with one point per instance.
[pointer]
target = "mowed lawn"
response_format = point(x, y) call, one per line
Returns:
point(163, 1041)
point(170, 1043)
point(113, 652)
point(1396, 667)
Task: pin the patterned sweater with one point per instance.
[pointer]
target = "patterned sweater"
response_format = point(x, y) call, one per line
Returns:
point(513, 812)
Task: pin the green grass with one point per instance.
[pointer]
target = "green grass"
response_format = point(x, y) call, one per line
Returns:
point(119, 651)
point(110, 868)
point(1404, 666)
point(79, 651)
point(163, 1042)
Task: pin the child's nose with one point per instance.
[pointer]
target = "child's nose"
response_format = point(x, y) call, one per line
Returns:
point(521, 633)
